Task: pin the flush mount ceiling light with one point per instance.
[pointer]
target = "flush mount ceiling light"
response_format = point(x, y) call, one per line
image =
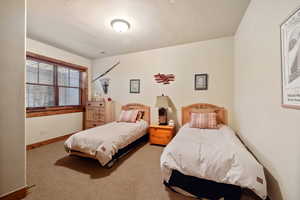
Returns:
point(120, 25)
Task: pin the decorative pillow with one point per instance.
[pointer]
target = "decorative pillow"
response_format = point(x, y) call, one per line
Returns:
point(128, 116)
point(204, 120)
point(140, 115)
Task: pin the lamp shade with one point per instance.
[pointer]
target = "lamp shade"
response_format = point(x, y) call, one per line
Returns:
point(162, 102)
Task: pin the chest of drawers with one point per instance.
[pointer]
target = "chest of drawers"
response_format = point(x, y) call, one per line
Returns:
point(98, 113)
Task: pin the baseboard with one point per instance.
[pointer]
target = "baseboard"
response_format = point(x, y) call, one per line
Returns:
point(52, 140)
point(19, 194)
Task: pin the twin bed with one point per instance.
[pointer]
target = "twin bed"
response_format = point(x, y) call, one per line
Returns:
point(108, 142)
point(203, 163)
point(210, 163)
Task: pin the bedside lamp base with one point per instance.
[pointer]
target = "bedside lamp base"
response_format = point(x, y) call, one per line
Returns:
point(162, 116)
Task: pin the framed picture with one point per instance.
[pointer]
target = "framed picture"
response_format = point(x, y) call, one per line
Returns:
point(134, 86)
point(201, 81)
point(290, 56)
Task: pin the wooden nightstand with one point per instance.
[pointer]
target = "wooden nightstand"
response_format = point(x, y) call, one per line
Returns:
point(161, 135)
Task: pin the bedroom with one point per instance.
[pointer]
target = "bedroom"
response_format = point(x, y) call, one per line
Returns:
point(240, 54)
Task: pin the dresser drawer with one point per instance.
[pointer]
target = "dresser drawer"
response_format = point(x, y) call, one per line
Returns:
point(95, 114)
point(90, 124)
point(95, 103)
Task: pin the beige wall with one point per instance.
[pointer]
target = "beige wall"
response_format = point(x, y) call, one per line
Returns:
point(271, 132)
point(214, 57)
point(12, 115)
point(43, 128)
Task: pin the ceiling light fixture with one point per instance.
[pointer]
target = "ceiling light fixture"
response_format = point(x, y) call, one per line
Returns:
point(120, 25)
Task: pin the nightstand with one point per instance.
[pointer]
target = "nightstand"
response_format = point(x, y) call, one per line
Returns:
point(161, 135)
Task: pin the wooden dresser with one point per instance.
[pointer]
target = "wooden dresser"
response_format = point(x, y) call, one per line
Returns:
point(161, 135)
point(98, 113)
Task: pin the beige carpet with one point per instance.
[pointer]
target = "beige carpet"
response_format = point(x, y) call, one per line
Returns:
point(57, 176)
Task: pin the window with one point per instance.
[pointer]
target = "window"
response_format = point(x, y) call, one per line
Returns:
point(53, 85)
point(40, 86)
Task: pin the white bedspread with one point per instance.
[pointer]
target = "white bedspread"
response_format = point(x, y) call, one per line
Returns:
point(104, 141)
point(216, 155)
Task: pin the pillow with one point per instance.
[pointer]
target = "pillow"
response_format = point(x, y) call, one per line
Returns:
point(209, 110)
point(128, 116)
point(204, 120)
point(140, 115)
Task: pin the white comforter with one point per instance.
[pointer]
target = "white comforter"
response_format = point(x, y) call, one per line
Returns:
point(216, 155)
point(105, 141)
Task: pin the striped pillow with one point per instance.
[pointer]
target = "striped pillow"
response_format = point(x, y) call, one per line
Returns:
point(204, 120)
point(128, 116)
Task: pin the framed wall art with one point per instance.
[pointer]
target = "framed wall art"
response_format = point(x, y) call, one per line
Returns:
point(201, 81)
point(134, 86)
point(290, 66)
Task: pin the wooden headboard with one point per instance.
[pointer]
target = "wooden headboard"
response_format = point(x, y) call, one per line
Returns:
point(221, 112)
point(141, 107)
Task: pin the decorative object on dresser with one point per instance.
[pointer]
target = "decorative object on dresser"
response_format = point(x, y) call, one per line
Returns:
point(290, 65)
point(161, 135)
point(164, 78)
point(162, 103)
point(134, 86)
point(201, 81)
point(98, 113)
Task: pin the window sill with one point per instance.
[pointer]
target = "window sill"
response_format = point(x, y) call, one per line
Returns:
point(52, 111)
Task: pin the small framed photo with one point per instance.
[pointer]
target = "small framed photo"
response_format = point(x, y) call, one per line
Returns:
point(201, 81)
point(134, 86)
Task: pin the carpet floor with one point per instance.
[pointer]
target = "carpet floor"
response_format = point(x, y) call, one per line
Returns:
point(58, 176)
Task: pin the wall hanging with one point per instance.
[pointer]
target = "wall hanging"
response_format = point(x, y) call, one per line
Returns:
point(134, 85)
point(290, 50)
point(103, 81)
point(164, 78)
point(201, 81)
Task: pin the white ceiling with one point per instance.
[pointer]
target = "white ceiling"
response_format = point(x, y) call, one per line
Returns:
point(83, 26)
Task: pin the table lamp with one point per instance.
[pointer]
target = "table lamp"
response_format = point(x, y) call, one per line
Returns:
point(162, 103)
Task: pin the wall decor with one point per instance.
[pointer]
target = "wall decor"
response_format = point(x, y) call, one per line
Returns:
point(201, 81)
point(164, 78)
point(134, 86)
point(105, 84)
point(101, 83)
point(290, 66)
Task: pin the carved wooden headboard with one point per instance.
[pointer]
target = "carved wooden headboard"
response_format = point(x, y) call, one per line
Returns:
point(141, 107)
point(221, 112)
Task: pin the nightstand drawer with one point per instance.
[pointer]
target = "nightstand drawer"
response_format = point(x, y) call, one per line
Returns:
point(161, 133)
point(161, 137)
point(162, 140)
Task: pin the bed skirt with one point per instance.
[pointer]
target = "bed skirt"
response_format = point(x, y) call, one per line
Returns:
point(202, 188)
